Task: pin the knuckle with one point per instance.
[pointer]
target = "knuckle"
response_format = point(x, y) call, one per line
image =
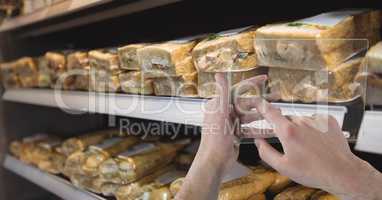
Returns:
point(290, 130)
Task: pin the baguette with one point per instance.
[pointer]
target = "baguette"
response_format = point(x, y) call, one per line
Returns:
point(128, 56)
point(134, 82)
point(296, 193)
point(168, 59)
point(320, 42)
point(307, 86)
point(124, 170)
point(246, 187)
point(227, 51)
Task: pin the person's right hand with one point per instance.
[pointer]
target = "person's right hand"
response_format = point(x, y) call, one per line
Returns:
point(316, 154)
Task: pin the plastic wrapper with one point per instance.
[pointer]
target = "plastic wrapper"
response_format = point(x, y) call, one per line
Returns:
point(207, 82)
point(27, 72)
point(104, 68)
point(57, 64)
point(296, 193)
point(144, 185)
point(247, 186)
point(134, 82)
point(320, 42)
point(322, 195)
point(96, 154)
point(9, 77)
point(336, 85)
point(176, 186)
point(185, 86)
point(172, 58)
point(128, 56)
point(162, 193)
point(79, 69)
point(85, 182)
point(22, 148)
point(226, 51)
point(127, 168)
point(80, 143)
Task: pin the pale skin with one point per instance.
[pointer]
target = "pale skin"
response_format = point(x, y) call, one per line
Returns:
point(314, 155)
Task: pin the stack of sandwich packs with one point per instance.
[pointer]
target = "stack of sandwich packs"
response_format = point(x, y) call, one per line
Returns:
point(312, 60)
point(309, 60)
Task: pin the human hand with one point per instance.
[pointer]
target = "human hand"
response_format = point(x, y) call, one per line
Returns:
point(316, 154)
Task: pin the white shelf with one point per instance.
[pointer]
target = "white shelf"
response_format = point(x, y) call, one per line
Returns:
point(169, 109)
point(58, 186)
point(67, 7)
point(369, 136)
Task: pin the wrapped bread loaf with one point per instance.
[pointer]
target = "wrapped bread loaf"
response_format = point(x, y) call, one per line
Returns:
point(336, 85)
point(258, 197)
point(320, 42)
point(105, 69)
point(127, 168)
point(19, 147)
point(162, 193)
point(27, 71)
point(57, 65)
point(79, 68)
point(322, 195)
point(144, 185)
point(134, 82)
point(207, 82)
point(9, 77)
point(247, 186)
point(296, 193)
point(44, 74)
point(176, 186)
point(96, 154)
point(85, 182)
point(80, 143)
point(128, 56)
point(226, 51)
point(168, 59)
point(185, 86)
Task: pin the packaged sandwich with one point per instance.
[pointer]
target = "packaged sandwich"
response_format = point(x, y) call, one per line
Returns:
point(144, 185)
point(134, 82)
point(320, 42)
point(127, 168)
point(322, 195)
point(79, 69)
point(185, 86)
point(80, 143)
point(27, 72)
point(57, 65)
point(335, 85)
point(98, 153)
point(207, 83)
point(226, 51)
point(104, 65)
point(247, 186)
point(167, 59)
point(44, 74)
point(9, 77)
point(128, 56)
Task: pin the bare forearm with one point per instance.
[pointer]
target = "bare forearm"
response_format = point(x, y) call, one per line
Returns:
point(203, 179)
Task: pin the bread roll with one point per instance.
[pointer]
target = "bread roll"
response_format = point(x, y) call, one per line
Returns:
point(317, 86)
point(134, 82)
point(105, 69)
point(78, 64)
point(320, 42)
point(227, 51)
point(128, 56)
point(168, 59)
point(44, 74)
point(296, 193)
point(185, 86)
point(27, 71)
point(9, 77)
point(57, 65)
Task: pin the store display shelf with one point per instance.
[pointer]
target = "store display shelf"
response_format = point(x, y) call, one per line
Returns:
point(169, 109)
point(370, 137)
point(58, 186)
point(67, 7)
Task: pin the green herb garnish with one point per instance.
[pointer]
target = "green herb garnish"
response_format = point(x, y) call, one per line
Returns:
point(212, 37)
